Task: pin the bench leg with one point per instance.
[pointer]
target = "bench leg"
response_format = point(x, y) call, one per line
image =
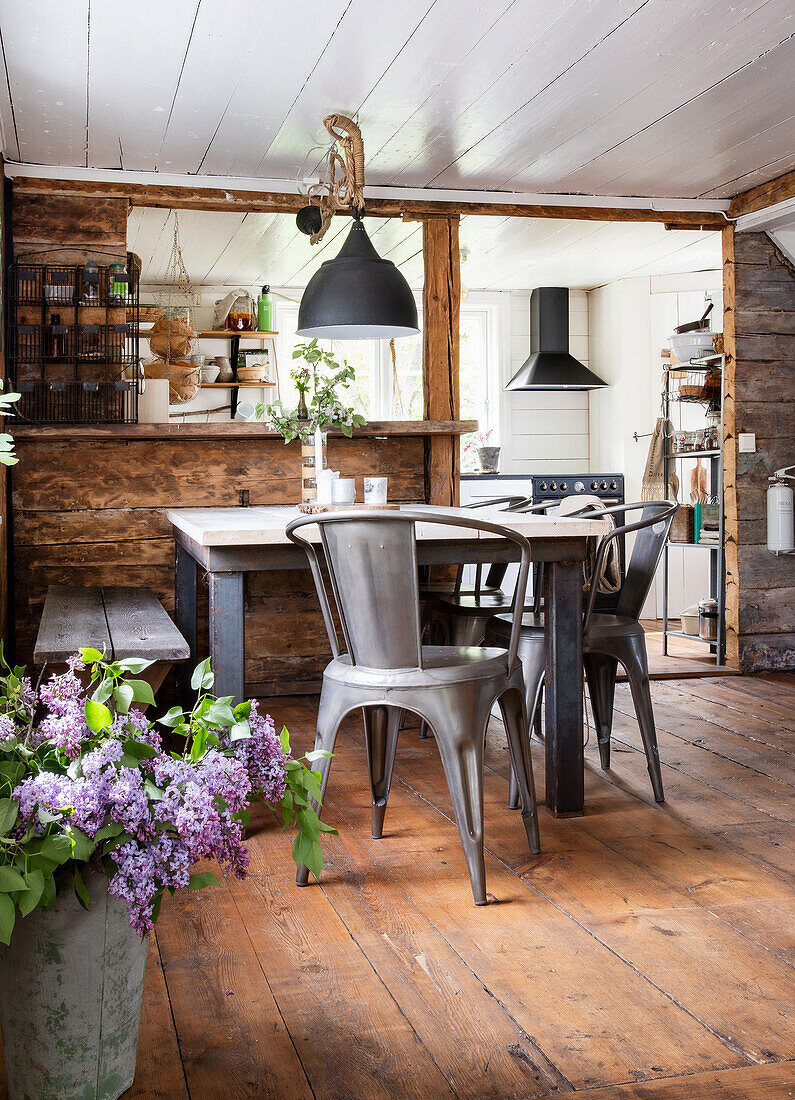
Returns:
point(185, 615)
point(227, 634)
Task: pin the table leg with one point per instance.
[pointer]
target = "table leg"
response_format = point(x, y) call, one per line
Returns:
point(185, 609)
point(564, 749)
point(227, 634)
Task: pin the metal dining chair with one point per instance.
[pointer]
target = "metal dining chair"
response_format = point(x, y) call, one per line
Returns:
point(371, 561)
point(608, 639)
point(464, 613)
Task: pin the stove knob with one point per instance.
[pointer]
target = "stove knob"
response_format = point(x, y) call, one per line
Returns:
point(543, 486)
point(554, 486)
point(594, 485)
point(604, 485)
point(614, 485)
point(563, 486)
point(579, 487)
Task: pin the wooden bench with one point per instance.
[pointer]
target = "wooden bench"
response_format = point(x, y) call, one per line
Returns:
point(122, 622)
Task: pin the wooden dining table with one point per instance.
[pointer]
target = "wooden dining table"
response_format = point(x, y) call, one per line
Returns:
point(228, 543)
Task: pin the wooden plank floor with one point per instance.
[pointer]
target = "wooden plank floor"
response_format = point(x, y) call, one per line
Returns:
point(646, 954)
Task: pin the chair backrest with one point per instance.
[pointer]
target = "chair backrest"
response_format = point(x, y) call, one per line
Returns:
point(497, 570)
point(371, 559)
point(652, 531)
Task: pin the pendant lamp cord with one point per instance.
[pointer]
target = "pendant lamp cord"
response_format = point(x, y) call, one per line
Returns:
point(345, 189)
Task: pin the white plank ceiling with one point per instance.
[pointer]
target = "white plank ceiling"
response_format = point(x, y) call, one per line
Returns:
point(503, 253)
point(614, 97)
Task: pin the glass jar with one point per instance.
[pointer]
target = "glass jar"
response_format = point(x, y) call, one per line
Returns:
point(118, 280)
point(89, 283)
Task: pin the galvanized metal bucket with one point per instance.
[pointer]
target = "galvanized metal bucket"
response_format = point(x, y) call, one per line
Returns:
point(71, 987)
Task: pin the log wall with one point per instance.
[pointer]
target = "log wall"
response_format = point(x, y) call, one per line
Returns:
point(89, 505)
point(759, 330)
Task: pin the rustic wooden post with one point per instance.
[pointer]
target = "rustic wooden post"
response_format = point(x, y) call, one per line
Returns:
point(759, 342)
point(441, 300)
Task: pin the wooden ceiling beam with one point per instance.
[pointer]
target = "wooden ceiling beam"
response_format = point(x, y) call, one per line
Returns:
point(764, 195)
point(214, 199)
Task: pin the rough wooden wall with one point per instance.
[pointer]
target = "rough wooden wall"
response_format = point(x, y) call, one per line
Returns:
point(759, 329)
point(88, 513)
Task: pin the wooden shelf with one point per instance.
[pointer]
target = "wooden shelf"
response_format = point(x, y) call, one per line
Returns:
point(238, 385)
point(222, 334)
point(228, 428)
point(694, 454)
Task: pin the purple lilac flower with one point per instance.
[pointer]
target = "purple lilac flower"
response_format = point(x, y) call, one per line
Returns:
point(262, 756)
point(8, 730)
point(135, 724)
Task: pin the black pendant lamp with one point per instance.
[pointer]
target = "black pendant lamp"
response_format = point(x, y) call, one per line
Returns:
point(357, 295)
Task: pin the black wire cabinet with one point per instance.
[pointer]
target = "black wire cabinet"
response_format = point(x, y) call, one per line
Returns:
point(73, 342)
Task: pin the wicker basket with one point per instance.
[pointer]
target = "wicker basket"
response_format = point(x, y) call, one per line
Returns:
point(184, 378)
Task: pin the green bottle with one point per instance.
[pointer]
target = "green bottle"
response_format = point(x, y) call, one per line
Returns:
point(265, 311)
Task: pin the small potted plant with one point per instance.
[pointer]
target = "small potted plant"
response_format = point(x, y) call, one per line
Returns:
point(97, 821)
point(318, 381)
point(488, 456)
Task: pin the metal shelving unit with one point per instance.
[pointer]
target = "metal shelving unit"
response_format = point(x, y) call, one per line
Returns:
point(717, 569)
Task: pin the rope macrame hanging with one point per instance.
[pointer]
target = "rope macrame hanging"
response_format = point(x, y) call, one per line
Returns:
point(172, 335)
point(344, 183)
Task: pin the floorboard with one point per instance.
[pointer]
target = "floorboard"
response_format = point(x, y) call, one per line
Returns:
point(646, 954)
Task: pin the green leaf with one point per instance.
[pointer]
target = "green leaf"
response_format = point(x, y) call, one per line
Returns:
point(240, 731)
point(284, 738)
point(156, 906)
point(324, 828)
point(57, 848)
point(98, 717)
point(7, 918)
point(34, 880)
point(123, 697)
point(134, 665)
point(48, 893)
point(9, 809)
point(198, 882)
point(138, 749)
point(91, 656)
point(243, 710)
point(82, 845)
point(319, 754)
point(314, 860)
point(172, 717)
point(302, 847)
point(113, 828)
point(142, 691)
point(82, 893)
point(152, 791)
point(103, 691)
point(11, 880)
point(202, 677)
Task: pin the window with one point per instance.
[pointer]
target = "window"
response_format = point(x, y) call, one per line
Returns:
point(384, 390)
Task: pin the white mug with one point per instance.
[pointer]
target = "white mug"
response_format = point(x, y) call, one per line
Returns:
point(343, 490)
point(375, 490)
point(245, 411)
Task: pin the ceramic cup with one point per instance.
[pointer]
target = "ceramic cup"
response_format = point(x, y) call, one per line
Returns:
point(324, 479)
point(245, 411)
point(343, 490)
point(375, 490)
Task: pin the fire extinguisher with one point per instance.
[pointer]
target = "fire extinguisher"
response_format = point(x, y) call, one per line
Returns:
point(780, 533)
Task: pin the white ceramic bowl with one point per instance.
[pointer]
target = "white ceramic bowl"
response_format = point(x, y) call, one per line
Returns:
point(210, 373)
point(689, 345)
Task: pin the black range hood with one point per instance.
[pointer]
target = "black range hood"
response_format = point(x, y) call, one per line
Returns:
point(549, 365)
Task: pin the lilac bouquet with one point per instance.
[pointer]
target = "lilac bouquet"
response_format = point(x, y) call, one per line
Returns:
point(85, 783)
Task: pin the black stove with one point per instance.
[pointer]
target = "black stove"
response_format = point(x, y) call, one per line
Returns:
point(553, 487)
point(609, 488)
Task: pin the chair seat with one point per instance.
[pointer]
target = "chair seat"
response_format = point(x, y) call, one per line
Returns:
point(489, 602)
point(499, 627)
point(442, 665)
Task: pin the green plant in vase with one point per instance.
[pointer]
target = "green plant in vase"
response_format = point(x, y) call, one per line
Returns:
point(318, 379)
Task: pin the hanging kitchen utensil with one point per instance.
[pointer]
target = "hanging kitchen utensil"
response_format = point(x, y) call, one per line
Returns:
point(696, 326)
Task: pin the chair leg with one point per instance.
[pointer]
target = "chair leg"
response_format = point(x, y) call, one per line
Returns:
point(423, 729)
point(460, 736)
point(600, 670)
point(514, 715)
point(381, 728)
point(330, 714)
point(638, 676)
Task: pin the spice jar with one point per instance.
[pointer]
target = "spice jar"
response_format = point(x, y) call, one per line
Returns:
point(89, 283)
point(118, 280)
